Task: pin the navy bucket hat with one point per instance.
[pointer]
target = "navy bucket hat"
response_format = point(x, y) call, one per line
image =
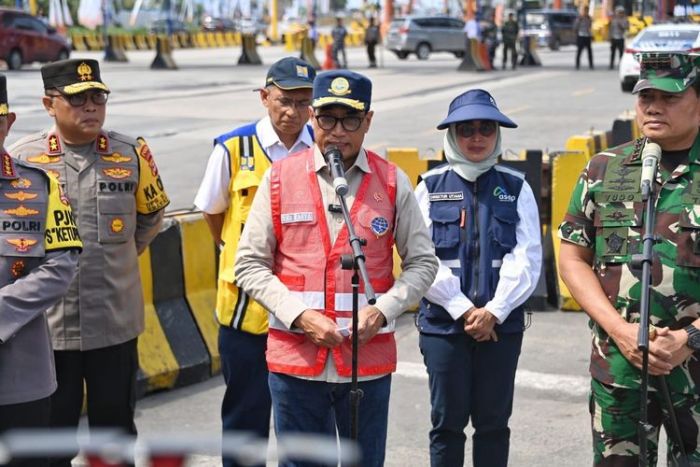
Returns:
point(476, 104)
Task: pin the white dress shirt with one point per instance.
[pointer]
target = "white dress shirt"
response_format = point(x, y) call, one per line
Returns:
point(213, 196)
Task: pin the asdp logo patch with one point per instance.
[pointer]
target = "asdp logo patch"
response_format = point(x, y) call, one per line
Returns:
point(503, 195)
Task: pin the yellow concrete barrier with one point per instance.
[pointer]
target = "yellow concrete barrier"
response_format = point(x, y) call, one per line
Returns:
point(78, 42)
point(565, 170)
point(585, 144)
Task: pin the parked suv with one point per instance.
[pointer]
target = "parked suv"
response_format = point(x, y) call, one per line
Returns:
point(26, 39)
point(551, 28)
point(425, 34)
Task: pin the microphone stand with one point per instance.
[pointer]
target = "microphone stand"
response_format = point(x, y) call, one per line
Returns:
point(645, 260)
point(356, 262)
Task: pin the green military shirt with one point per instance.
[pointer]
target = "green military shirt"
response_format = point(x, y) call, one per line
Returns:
point(605, 214)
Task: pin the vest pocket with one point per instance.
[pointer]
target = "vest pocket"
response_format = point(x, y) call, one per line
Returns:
point(688, 238)
point(115, 218)
point(244, 185)
point(503, 227)
point(445, 219)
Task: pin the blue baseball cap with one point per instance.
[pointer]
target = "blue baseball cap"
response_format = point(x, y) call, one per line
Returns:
point(475, 104)
point(342, 87)
point(291, 73)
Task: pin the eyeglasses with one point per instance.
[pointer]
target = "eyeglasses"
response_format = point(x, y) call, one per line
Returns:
point(288, 103)
point(350, 123)
point(79, 100)
point(486, 129)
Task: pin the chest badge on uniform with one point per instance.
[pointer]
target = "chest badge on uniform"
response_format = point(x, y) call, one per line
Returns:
point(21, 183)
point(116, 158)
point(21, 211)
point(22, 245)
point(17, 269)
point(20, 195)
point(117, 225)
point(614, 243)
point(117, 172)
point(379, 226)
point(42, 159)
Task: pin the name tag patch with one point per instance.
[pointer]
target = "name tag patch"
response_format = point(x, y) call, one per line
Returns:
point(296, 217)
point(447, 196)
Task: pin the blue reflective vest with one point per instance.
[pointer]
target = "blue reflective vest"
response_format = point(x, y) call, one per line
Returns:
point(473, 229)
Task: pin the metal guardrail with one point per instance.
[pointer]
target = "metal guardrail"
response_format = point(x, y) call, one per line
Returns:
point(108, 447)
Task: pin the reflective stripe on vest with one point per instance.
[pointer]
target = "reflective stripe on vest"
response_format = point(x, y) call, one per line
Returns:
point(309, 264)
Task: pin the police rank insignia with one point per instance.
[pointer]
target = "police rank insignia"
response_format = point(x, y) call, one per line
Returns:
point(84, 72)
point(22, 245)
point(42, 159)
point(21, 211)
point(117, 225)
point(54, 145)
point(340, 87)
point(117, 172)
point(102, 144)
point(8, 168)
point(116, 158)
point(20, 195)
point(379, 226)
point(21, 183)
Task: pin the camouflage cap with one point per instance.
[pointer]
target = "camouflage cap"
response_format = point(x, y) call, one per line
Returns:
point(666, 71)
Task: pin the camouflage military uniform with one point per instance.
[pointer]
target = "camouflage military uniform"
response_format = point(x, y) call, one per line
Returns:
point(605, 214)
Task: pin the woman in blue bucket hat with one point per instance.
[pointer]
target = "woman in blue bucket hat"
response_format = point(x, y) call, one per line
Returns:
point(486, 230)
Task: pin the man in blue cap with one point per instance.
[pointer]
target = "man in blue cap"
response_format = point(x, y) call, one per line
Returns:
point(486, 230)
point(289, 260)
point(236, 166)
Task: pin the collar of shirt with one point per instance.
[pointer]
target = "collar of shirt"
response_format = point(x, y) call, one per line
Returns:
point(271, 144)
point(361, 162)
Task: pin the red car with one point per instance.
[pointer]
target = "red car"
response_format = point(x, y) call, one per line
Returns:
point(26, 39)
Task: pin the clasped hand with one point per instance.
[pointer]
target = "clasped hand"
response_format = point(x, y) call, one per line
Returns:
point(479, 323)
point(323, 331)
point(667, 348)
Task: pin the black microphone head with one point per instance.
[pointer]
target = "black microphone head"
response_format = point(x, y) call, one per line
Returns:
point(331, 152)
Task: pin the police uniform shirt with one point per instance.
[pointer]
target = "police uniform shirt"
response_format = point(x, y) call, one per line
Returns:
point(519, 271)
point(118, 200)
point(32, 278)
point(413, 243)
point(213, 194)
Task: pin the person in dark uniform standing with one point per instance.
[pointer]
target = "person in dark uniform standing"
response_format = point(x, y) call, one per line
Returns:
point(372, 38)
point(116, 192)
point(486, 230)
point(39, 246)
point(509, 34)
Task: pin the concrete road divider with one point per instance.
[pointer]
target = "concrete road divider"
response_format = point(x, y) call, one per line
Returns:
point(528, 50)
point(565, 169)
point(308, 54)
point(164, 55)
point(114, 49)
point(624, 129)
point(171, 306)
point(249, 51)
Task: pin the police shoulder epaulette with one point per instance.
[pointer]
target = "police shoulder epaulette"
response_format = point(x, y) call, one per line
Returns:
point(28, 166)
point(130, 140)
point(39, 136)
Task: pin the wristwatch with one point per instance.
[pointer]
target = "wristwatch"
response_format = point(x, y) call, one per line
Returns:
point(693, 337)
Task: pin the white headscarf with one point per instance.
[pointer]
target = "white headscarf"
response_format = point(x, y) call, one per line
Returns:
point(465, 168)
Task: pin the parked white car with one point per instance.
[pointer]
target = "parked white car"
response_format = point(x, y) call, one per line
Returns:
point(658, 37)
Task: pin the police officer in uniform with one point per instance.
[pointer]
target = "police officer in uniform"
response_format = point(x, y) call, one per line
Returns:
point(117, 195)
point(486, 231)
point(601, 231)
point(39, 246)
point(235, 168)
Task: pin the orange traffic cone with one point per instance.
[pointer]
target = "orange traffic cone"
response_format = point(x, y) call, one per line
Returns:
point(329, 63)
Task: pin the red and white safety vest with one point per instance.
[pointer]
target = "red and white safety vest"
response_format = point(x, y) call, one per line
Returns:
point(308, 263)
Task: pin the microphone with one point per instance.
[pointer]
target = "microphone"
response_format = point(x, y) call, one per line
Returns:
point(650, 159)
point(334, 159)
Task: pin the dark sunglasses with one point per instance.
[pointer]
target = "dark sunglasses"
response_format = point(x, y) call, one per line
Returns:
point(79, 100)
point(349, 123)
point(486, 129)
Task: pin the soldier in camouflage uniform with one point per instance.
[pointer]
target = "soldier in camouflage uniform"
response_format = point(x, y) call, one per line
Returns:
point(602, 229)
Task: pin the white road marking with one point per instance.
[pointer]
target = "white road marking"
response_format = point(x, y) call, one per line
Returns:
point(567, 384)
